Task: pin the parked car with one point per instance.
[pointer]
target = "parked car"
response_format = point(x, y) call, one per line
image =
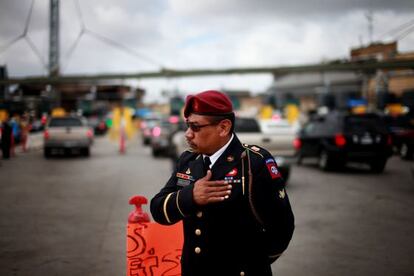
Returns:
point(161, 136)
point(147, 123)
point(339, 137)
point(36, 126)
point(249, 132)
point(98, 125)
point(67, 134)
point(402, 131)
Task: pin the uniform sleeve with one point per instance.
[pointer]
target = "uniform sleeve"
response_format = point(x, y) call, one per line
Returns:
point(272, 206)
point(172, 203)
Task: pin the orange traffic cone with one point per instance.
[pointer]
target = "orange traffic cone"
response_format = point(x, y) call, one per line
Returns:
point(122, 141)
point(152, 249)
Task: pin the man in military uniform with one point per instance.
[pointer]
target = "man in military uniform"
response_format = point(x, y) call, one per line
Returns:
point(231, 197)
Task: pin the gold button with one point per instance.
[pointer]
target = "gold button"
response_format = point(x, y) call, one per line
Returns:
point(199, 214)
point(197, 250)
point(198, 232)
point(241, 273)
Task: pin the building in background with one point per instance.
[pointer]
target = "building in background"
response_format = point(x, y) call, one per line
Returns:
point(335, 89)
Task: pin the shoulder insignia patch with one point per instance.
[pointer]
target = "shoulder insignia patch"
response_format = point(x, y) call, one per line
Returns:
point(272, 168)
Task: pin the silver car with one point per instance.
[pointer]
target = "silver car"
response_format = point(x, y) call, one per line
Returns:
point(67, 134)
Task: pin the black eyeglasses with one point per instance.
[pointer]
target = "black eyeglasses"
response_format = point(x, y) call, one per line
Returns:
point(196, 128)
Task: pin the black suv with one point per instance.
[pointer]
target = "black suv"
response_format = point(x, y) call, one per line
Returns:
point(402, 132)
point(339, 137)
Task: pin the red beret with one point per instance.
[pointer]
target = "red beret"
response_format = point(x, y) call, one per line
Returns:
point(209, 102)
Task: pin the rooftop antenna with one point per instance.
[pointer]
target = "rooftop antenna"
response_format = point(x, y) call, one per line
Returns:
point(370, 18)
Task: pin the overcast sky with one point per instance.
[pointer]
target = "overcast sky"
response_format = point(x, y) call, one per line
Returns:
point(185, 34)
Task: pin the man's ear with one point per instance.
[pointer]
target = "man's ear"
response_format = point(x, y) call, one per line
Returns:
point(225, 127)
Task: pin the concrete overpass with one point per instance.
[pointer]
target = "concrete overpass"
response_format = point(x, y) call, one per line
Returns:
point(365, 67)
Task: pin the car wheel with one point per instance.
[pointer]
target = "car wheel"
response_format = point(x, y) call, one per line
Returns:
point(155, 153)
point(146, 141)
point(325, 161)
point(86, 152)
point(299, 160)
point(378, 166)
point(406, 152)
point(47, 152)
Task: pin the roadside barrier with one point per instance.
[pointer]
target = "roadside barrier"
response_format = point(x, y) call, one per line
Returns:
point(152, 249)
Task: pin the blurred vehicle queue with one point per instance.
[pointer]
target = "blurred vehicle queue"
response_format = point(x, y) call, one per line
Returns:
point(334, 139)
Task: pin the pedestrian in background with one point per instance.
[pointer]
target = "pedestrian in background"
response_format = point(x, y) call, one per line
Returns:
point(236, 213)
point(6, 137)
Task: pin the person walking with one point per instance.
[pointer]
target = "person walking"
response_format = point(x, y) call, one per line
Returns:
point(231, 197)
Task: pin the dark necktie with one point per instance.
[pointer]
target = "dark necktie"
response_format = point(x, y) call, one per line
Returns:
point(207, 163)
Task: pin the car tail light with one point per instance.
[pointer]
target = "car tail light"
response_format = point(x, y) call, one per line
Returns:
point(156, 131)
point(46, 134)
point(340, 140)
point(389, 140)
point(297, 143)
point(89, 133)
point(173, 119)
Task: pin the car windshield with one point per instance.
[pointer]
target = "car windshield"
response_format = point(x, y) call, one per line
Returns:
point(65, 122)
point(357, 124)
point(245, 125)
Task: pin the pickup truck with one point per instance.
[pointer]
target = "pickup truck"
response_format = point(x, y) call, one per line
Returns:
point(67, 133)
point(277, 138)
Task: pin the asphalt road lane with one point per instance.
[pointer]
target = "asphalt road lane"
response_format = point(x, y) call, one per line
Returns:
point(67, 215)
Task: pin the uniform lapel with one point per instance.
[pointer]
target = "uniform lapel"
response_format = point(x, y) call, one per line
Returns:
point(228, 160)
point(197, 167)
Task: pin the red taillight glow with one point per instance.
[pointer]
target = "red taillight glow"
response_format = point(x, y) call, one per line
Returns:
point(340, 140)
point(389, 140)
point(46, 134)
point(173, 119)
point(101, 125)
point(297, 143)
point(89, 133)
point(156, 131)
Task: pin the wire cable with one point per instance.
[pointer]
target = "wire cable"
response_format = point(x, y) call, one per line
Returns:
point(405, 33)
point(79, 12)
point(72, 49)
point(36, 51)
point(7, 45)
point(28, 19)
point(398, 29)
point(123, 48)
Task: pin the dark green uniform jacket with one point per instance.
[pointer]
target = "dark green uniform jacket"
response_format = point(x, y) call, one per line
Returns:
point(241, 235)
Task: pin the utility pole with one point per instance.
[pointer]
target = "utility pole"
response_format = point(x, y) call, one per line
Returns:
point(54, 46)
point(54, 38)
